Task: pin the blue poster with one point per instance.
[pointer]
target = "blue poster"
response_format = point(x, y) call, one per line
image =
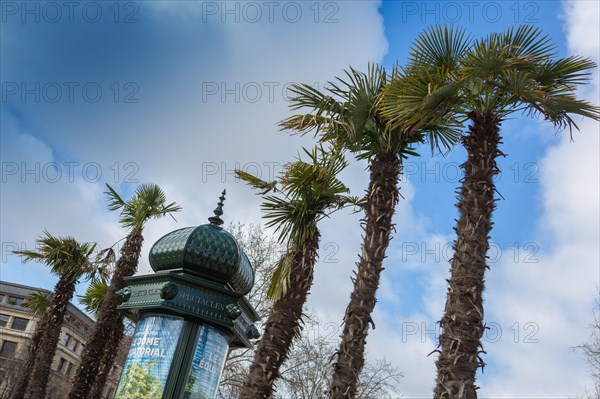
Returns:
point(149, 360)
point(207, 365)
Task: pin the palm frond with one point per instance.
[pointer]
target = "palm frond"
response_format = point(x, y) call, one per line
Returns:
point(264, 187)
point(525, 41)
point(115, 202)
point(94, 296)
point(568, 72)
point(65, 256)
point(37, 303)
point(148, 202)
point(439, 48)
point(280, 279)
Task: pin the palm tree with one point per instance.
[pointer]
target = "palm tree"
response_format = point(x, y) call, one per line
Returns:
point(148, 202)
point(71, 261)
point(37, 305)
point(308, 192)
point(483, 84)
point(92, 302)
point(348, 115)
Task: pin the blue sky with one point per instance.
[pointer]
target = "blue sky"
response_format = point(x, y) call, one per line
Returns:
point(180, 93)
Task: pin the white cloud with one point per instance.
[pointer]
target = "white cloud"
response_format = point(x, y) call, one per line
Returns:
point(177, 135)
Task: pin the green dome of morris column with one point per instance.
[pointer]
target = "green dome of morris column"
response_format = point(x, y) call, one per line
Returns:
point(207, 251)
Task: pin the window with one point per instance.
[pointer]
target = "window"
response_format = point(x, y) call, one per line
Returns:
point(19, 324)
point(67, 339)
point(61, 365)
point(69, 368)
point(75, 345)
point(15, 300)
point(2, 296)
point(9, 349)
point(3, 320)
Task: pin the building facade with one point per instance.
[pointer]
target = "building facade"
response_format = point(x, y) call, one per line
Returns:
point(17, 326)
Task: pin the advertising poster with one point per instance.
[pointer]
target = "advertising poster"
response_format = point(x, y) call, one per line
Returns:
point(207, 365)
point(152, 349)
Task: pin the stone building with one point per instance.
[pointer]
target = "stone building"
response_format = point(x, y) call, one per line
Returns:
point(16, 329)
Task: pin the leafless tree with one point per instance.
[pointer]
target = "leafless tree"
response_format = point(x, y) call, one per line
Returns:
point(307, 373)
point(591, 351)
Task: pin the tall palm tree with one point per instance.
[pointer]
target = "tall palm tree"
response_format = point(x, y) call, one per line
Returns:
point(92, 302)
point(307, 193)
point(70, 260)
point(148, 202)
point(348, 115)
point(25, 372)
point(482, 83)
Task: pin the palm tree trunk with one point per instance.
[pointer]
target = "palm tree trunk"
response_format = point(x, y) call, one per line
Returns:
point(108, 360)
point(63, 293)
point(27, 368)
point(381, 202)
point(283, 324)
point(108, 318)
point(462, 322)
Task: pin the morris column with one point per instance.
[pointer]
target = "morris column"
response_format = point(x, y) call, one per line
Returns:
point(190, 312)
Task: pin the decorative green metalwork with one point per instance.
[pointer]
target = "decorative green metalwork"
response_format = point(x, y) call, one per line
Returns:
point(207, 251)
point(218, 211)
point(233, 311)
point(201, 278)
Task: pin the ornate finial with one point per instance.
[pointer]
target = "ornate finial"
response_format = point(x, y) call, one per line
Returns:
point(216, 220)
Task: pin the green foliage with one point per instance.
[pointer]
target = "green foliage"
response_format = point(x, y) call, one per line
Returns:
point(38, 302)
point(348, 114)
point(139, 383)
point(148, 202)
point(305, 193)
point(94, 296)
point(67, 258)
point(450, 74)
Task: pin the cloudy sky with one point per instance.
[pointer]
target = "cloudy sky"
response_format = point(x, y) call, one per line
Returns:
point(181, 93)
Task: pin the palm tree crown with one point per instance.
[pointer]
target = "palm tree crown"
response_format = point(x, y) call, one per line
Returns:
point(307, 192)
point(513, 71)
point(148, 202)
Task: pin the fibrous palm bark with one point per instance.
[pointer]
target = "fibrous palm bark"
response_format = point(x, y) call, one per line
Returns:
point(283, 324)
point(382, 198)
point(108, 360)
point(462, 324)
point(63, 293)
point(108, 317)
point(27, 368)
